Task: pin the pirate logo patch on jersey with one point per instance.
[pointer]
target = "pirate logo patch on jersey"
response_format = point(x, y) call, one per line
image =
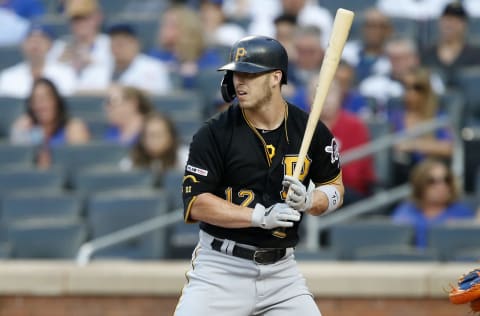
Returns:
point(333, 151)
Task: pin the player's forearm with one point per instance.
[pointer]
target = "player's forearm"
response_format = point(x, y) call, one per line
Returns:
point(211, 209)
point(321, 201)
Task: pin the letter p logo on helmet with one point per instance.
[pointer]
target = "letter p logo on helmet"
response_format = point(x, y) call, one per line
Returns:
point(240, 53)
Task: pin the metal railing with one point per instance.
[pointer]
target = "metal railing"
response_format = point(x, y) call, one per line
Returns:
point(314, 224)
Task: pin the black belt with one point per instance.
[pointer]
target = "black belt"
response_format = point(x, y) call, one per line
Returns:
point(260, 256)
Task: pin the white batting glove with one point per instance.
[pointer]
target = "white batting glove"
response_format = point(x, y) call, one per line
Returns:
point(299, 197)
point(277, 215)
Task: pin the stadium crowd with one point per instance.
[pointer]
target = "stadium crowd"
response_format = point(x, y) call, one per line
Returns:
point(138, 77)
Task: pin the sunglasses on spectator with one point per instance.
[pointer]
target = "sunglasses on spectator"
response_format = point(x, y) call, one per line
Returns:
point(416, 87)
point(435, 180)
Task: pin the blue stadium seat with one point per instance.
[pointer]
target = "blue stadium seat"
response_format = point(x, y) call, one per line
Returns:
point(40, 239)
point(323, 254)
point(41, 206)
point(110, 212)
point(186, 128)
point(351, 239)
point(395, 253)
point(172, 183)
point(208, 87)
point(9, 56)
point(107, 179)
point(454, 240)
point(180, 105)
point(86, 107)
point(469, 81)
point(31, 181)
point(16, 155)
point(79, 157)
point(354, 5)
point(11, 108)
point(182, 239)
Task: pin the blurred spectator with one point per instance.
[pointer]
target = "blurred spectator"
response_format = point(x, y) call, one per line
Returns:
point(403, 57)
point(126, 108)
point(216, 28)
point(46, 122)
point(435, 199)
point(86, 50)
point(17, 81)
point(367, 55)
point(309, 52)
point(452, 50)
point(182, 45)
point(131, 67)
point(349, 132)
point(308, 13)
point(352, 100)
point(158, 148)
point(285, 30)
point(419, 104)
point(27, 9)
point(412, 9)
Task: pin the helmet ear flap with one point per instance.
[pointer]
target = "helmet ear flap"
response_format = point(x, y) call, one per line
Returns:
point(227, 88)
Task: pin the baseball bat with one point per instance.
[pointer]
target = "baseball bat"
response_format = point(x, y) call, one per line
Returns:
point(341, 27)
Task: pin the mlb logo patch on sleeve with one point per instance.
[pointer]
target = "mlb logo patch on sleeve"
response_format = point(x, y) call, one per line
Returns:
point(197, 170)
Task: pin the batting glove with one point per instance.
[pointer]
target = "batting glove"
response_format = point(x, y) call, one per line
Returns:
point(299, 197)
point(277, 215)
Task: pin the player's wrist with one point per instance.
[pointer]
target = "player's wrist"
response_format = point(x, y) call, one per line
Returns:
point(331, 198)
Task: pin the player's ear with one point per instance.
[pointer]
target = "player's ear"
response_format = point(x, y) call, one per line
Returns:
point(276, 78)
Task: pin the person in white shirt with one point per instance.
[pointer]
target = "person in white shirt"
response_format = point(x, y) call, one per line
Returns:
point(132, 68)
point(263, 13)
point(403, 56)
point(217, 29)
point(413, 9)
point(86, 49)
point(17, 80)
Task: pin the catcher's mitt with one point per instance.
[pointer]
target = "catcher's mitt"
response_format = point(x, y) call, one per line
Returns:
point(467, 290)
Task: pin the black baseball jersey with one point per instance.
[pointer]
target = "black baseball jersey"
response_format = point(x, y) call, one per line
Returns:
point(233, 160)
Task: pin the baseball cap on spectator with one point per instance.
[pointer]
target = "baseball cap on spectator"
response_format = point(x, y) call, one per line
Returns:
point(81, 8)
point(40, 29)
point(122, 28)
point(455, 9)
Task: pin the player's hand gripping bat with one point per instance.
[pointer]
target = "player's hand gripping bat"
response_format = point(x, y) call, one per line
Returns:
point(341, 28)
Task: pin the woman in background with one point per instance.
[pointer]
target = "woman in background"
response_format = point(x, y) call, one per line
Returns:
point(435, 199)
point(126, 109)
point(46, 122)
point(419, 105)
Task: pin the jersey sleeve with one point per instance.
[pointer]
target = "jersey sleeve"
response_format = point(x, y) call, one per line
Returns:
point(325, 156)
point(204, 168)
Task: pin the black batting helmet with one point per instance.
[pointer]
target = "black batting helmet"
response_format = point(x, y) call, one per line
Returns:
point(253, 54)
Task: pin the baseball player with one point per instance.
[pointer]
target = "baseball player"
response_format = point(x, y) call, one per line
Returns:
point(238, 186)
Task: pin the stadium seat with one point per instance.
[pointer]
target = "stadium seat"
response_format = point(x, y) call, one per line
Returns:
point(453, 240)
point(16, 155)
point(172, 183)
point(86, 107)
point(41, 206)
point(25, 180)
point(354, 5)
point(323, 254)
point(180, 105)
point(41, 239)
point(100, 179)
point(182, 239)
point(452, 104)
point(110, 212)
point(469, 81)
point(11, 109)
point(97, 128)
point(145, 27)
point(350, 239)
point(79, 157)
point(394, 253)
point(208, 86)
point(9, 56)
point(186, 128)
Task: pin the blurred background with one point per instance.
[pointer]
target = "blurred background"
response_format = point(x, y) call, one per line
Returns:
point(99, 100)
